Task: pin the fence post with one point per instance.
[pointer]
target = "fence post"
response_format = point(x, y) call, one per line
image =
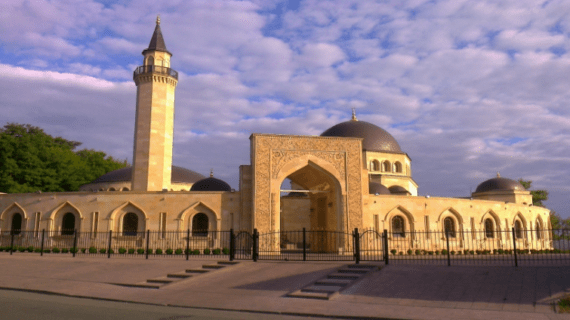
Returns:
point(448, 254)
point(147, 242)
point(42, 245)
point(187, 243)
point(232, 245)
point(385, 244)
point(304, 245)
point(356, 246)
point(11, 242)
point(515, 247)
point(255, 245)
point(74, 242)
point(110, 239)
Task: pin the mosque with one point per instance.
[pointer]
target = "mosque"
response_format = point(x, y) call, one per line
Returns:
point(354, 175)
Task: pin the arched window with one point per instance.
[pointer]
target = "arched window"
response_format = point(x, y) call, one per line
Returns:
point(68, 224)
point(398, 226)
point(150, 61)
point(398, 167)
point(449, 227)
point(125, 189)
point(538, 229)
point(489, 232)
point(16, 223)
point(130, 224)
point(200, 225)
point(518, 230)
point(376, 165)
point(386, 167)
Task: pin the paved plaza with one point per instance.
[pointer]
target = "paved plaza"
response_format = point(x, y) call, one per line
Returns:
point(397, 291)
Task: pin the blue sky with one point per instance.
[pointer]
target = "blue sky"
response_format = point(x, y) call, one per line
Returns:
point(468, 88)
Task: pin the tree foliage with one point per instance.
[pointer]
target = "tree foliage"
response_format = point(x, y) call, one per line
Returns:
point(32, 160)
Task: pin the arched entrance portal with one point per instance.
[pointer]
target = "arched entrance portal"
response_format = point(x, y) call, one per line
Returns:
point(311, 199)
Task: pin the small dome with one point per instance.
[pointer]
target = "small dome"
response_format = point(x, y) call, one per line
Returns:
point(374, 137)
point(398, 190)
point(377, 188)
point(211, 184)
point(499, 183)
point(178, 174)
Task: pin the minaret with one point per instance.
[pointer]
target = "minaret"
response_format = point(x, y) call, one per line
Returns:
point(154, 123)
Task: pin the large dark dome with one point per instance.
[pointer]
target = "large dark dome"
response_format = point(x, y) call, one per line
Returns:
point(211, 184)
point(374, 137)
point(499, 183)
point(178, 174)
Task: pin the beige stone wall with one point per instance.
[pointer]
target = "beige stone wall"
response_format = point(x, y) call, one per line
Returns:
point(126, 186)
point(111, 206)
point(421, 213)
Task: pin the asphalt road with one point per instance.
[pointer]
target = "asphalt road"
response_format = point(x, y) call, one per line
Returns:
point(20, 305)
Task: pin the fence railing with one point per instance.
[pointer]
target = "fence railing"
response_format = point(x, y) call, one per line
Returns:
point(155, 69)
point(504, 247)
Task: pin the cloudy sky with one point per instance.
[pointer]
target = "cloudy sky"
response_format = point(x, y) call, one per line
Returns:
point(468, 88)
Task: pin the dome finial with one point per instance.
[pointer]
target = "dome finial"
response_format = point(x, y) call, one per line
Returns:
point(158, 19)
point(498, 175)
point(212, 173)
point(354, 114)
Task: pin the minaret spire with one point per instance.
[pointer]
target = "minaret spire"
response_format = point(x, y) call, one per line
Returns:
point(354, 114)
point(154, 122)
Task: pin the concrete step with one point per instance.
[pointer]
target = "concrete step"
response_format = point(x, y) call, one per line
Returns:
point(309, 295)
point(348, 276)
point(178, 275)
point(140, 285)
point(333, 282)
point(228, 262)
point(213, 266)
point(353, 270)
point(321, 289)
point(164, 281)
point(363, 266)
point(196, 271)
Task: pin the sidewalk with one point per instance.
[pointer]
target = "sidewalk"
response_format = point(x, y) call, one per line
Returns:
point(397, 291)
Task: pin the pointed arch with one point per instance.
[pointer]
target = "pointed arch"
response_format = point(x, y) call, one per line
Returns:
point(519, 216)
point(492, 230)
point(113, 214)
point(116, 218)
point(407, 217)
point(11, 207)
point(406, 212)
point(198, 207)
point(57, 209)
point(185, 212)
point(56, 216)
point(451, 211)
point(317, 163)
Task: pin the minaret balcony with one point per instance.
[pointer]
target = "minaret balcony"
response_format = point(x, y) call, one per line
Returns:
point(155, 69)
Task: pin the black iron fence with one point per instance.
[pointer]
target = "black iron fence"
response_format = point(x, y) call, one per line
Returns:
point(505, 247)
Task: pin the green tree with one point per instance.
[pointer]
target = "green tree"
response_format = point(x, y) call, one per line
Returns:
point(32, 160)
